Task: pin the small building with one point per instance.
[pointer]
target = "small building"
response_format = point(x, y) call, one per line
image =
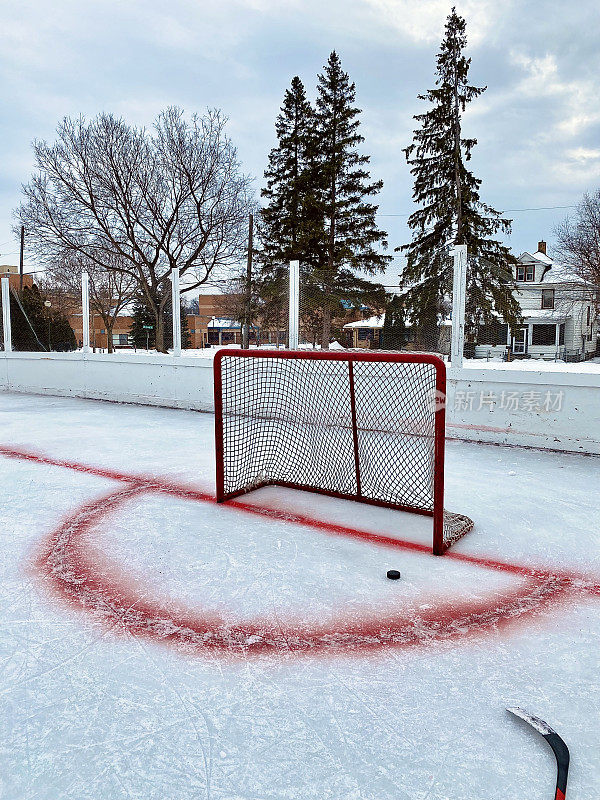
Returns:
point(559, 314)
point(14, 279)
point(364, 333)
point(367, 334)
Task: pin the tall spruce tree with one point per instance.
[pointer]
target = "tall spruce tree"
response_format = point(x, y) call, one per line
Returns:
point(351, 242)
point(450, 208)
point(288, 225)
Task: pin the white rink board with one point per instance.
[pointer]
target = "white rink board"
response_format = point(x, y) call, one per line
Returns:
point(186, 382)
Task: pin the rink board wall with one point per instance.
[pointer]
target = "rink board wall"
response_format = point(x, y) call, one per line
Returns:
point(475, 396)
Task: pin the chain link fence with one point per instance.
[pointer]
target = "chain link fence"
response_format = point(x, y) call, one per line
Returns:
point(348, 313)
point(39, 322)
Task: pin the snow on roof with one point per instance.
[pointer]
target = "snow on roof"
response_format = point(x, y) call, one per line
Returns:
point(538, 256)
point(543, 257)
point(558, 274)
point(372, 322)
point(217, 322)
point(377, 322)
point(544, 314)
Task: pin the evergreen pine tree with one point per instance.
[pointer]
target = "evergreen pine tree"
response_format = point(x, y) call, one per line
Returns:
point(142, 316)
point(394, 334)
point(350, 240)
point(450, 206)
point(29, 324)
point(186, 339)
point(37, 328)
point(289, 223)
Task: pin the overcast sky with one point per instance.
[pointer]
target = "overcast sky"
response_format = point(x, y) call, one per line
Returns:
point(538, 124)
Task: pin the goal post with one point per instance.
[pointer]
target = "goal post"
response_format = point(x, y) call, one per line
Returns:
point(360, 426)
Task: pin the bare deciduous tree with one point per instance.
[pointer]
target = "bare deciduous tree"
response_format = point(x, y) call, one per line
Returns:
point(111, 289)
point(141, 203)
point(578, 240)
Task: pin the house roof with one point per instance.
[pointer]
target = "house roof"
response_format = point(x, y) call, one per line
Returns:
point(544, 314)
point(372, 322)
point(377, 322)
point(538, 256)
point(230, 324)
point(555, 273)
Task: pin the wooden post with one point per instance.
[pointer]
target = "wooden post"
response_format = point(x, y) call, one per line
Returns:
point(85, 310)
point(6, 315)
point(294, 305)
point(176, 303)
point(459, 291)
point(248, 298)
point(21, 260)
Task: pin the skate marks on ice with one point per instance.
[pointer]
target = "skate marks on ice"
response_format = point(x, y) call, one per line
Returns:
point(74, 572)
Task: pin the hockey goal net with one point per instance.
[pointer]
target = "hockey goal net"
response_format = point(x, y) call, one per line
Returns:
point(362, 426)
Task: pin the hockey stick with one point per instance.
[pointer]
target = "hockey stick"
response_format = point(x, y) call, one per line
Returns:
point(559, 748)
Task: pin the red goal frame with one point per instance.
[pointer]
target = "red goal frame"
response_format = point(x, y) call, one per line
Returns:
point(437, 513)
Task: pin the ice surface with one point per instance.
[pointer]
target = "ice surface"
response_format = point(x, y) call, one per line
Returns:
point(94, 712)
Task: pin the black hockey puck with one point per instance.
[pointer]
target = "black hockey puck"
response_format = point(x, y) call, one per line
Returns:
point(393, 574)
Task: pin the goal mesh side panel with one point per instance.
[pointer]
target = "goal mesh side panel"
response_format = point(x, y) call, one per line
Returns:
point(290, 421)
point(395, 416)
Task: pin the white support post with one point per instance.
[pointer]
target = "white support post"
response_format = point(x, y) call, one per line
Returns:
point(176, 307)
point(85, 309)
point(459, 291)
point(6, 315)
point(294, 317)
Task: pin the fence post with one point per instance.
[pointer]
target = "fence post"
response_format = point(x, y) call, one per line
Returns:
point(6, 315)
point(85, 309)
point(248, 288)
point(459, 291)
point(294, 316)
point(176, 308)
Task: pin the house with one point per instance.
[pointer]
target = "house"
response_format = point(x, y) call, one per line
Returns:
point(559, 314)
point(367, 334)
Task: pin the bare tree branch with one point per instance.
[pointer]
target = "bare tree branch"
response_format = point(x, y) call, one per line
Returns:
point(137, 204)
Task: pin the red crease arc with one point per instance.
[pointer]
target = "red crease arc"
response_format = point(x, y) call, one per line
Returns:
point(71, 571)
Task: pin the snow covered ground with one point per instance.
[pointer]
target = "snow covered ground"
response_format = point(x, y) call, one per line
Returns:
point(155, 645)
point(529, 365)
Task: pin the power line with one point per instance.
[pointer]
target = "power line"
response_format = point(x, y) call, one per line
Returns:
point(506, 210)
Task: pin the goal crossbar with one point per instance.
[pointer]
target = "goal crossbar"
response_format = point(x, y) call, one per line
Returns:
point(361, 426)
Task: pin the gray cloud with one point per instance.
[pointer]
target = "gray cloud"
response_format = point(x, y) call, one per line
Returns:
point(538, 124)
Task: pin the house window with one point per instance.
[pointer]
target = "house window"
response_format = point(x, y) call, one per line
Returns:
point(547, 298)
point(123, 339)
point(363, 334)
point(520, 273)
point(493, 335)
point(589, 312)
point(529, 272)
point(544, 335)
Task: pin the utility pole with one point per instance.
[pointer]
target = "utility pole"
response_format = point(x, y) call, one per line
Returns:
point(246, 328)
point(21, 260)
